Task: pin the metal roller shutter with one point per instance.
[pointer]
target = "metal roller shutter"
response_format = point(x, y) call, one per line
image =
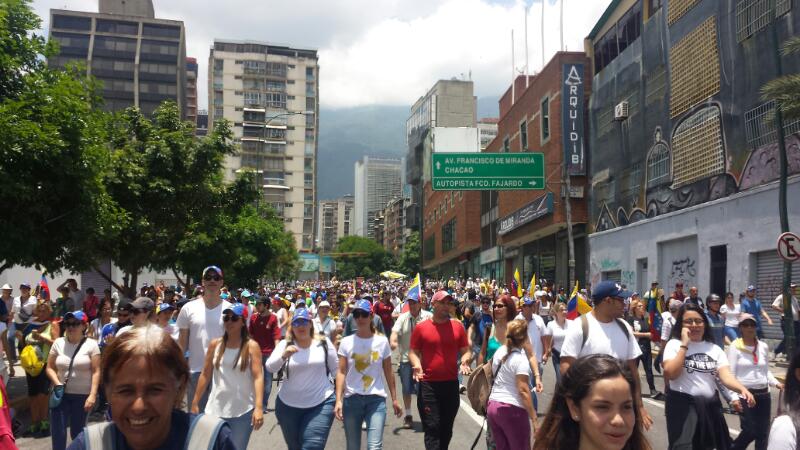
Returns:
point(93, 279)
point(769, 281)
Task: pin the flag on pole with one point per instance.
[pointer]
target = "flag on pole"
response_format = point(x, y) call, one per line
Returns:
point(44, 290)
point(576, 306)
point(517, 284)
point(532, 286)
point(654, 310)
point(414, 290)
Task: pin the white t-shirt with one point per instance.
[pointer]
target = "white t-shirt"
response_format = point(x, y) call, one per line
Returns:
point(731, 315)
point(98, 327)
point(536, 329)
point(752, 375)
point(327, 328)
point(505, 384)
point(307, 384)
point(604, 339)
point(558, 333)
point(172, 330)
point(3, 327)
point(23, 312)
point(703, 360)
point(364, 364)
point(281, 317)
point(80, 379)
point(667, 323)
point(204, 325)
point(782, 435)
point(778, 303)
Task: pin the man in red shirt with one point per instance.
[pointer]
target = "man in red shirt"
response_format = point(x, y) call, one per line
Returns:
point(264, 328)
point(435, 346)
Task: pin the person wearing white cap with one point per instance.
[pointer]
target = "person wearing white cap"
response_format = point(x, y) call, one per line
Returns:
point(323, 323)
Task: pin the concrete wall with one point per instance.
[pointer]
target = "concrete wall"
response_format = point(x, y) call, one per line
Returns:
point(746, 222)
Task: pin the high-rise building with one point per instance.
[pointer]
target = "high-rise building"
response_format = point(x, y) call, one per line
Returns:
point(487, 131)
point(140, 60)
point(202, 123)
point(335, 221)
point(377, 180)
point(270, 93)
point(191, 90)
point(394, 224)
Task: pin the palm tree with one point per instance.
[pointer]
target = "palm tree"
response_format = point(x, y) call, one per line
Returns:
point(785, 91)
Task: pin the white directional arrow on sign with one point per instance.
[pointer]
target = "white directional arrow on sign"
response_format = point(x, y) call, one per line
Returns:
point(438, 165)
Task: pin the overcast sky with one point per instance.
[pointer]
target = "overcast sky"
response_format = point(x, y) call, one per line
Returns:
point(386, 52)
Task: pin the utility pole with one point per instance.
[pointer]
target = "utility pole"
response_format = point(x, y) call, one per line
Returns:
point(570, 237)
point(788, 319)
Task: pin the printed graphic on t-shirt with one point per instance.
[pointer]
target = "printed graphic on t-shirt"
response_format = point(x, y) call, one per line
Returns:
point(700, 362)
point(362, 363)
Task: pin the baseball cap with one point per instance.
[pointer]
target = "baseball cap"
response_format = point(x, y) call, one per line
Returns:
point(367, 297)
point(164, 307)
point(324, 304)
point(527, 301)
point(300, 314)
point(246, 293)
point(214, 268)
point(143, 303)
point(25, 286)
point(364, 305)
point(793, 285)
point(751, 288)
point(609, 289)
point(7, 286)
point(238, 309)
point(79, 315)
point(747, 316)
point(441, 296)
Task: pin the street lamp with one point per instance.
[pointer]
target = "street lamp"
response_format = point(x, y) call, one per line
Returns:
point(259, 172)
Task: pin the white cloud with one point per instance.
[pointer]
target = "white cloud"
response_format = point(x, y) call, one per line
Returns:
point(386, 51)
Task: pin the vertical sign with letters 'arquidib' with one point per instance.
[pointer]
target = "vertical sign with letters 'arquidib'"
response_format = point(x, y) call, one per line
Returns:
point(572, 118)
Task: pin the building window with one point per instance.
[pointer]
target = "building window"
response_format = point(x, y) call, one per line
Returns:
point(523, 136)
point(544, 115)
point(654, 6)
point(506, 145)
point(72, 22)
point(449, 236)
point(629, 26)
point(116, 27)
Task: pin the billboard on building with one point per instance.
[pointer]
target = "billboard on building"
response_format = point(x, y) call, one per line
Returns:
point(572, 118)
point(456, 140)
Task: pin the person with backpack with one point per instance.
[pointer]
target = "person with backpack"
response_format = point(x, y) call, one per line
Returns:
point(435, 346)
point(603, 332)
point(304, 405)
point(510, 410)
point(38, 335)
point(365, 360)
point(145, 376)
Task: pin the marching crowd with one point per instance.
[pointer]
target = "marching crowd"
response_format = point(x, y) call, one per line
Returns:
point(174, 369)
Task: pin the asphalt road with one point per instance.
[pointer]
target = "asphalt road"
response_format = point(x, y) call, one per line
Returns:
point(466, 426)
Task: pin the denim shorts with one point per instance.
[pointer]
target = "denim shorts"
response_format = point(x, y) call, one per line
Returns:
point(407, 382)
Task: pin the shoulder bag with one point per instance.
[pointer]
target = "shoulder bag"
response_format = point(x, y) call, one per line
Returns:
point(57, 393)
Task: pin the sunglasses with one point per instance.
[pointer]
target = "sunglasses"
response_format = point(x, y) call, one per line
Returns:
point(72, 324)
point(498, 305)
point(230, 318)
point(358, 314)
point(210, 277)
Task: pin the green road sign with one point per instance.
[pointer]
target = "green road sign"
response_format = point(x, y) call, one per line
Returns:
point(487, 171)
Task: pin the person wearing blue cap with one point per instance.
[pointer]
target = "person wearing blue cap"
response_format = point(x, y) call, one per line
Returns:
point(751, 305)
point(350, 323)
point(365, 360)
point(602, 331)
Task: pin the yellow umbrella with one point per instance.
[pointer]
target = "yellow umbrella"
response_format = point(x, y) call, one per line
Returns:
point(392, 275)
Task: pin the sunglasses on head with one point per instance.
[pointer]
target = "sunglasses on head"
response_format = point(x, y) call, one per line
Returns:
point(72, 323)
point(358, 314)
point(230, 318)
point(209, 277)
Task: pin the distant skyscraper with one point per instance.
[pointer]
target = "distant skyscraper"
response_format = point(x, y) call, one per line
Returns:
point(202, 123)
point(377, 181)
point(335, 221)
point(271, 94)
point(191, 90)
point(140, 60)
point(487, 131)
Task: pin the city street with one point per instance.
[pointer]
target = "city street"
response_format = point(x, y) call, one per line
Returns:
point(466, 426)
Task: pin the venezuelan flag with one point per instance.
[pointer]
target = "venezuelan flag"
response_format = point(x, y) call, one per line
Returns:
point(44, 290)
point(654, 310)
point(414, 289)
point(517, 284)
point(576, 306)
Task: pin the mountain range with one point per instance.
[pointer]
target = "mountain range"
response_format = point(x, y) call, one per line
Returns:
point(347, 134)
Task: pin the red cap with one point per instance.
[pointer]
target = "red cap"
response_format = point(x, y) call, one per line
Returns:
point(440, 296)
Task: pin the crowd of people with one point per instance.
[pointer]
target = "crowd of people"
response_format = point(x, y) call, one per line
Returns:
point(172, 368)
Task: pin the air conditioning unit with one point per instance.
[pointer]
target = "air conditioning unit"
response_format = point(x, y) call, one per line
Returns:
point(621, 111)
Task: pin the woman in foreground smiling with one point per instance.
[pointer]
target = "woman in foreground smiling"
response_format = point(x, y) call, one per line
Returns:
point(592, 409)
point(145, 376)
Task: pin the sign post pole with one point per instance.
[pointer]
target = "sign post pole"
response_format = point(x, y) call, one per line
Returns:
point(789, 251)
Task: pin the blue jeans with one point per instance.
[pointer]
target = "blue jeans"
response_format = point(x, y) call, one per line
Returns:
point(407, 378)
point(241, 427)
point(267, 385)
point(732, 333)
point(194, 377)
point(70, 414)
point(556, 357)
point(305, 428)
point(364, 408)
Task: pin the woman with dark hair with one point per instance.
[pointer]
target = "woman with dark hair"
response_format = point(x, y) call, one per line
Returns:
point(145, 375)
point(640, 323)
point(593, 407)
point(783, 433)
point(233, 363)
point(692, 363)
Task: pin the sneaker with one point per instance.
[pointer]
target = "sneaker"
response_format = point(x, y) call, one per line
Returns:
point(462, 389)
point(658, 396)
point(408, 422)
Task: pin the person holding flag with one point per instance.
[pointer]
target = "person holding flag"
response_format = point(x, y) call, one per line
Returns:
point(577, 305)
point(516, 285)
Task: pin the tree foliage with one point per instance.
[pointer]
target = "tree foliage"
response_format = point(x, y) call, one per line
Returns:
point(785, 90)
point(410, 256)
point(52, 154)
point(374, 260)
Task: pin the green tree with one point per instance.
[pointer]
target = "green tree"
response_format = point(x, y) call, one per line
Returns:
point(786, 89)
point(52, 154)
point(409, 257)
point(360, 257)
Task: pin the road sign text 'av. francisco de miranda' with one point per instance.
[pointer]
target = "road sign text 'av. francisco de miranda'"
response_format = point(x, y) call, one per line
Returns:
point(487, 171)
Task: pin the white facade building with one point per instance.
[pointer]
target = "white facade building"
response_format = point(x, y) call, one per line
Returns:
point(377, 181)
point(335, 221)
point(271, 95)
